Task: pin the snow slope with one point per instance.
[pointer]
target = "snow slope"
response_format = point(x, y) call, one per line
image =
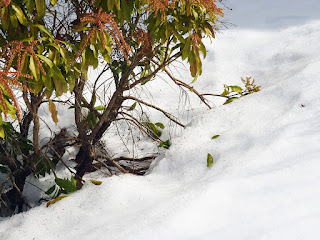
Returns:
point(264, 180)
point(271, 14)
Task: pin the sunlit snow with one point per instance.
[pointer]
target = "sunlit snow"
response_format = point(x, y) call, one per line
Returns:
point(264, 183)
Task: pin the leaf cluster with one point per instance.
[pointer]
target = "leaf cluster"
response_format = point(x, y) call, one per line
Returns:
point(235, 92)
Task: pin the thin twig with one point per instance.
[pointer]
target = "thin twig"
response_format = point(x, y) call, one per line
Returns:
point(183, 84)
point(155, 107)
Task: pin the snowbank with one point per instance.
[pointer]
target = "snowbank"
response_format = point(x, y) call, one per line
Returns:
point(264, 180)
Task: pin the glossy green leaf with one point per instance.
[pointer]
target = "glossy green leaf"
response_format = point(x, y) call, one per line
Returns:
point(2, 135)
point(236, 89)
point(13, 19)
point(34, 68)
point(110, 4)
point(19, 13)
point(4, 18)
point(215, 136)
point(66, 184)
point(30, 4)
point(43, 29)
point(186, 50)
point(95, 182)
point(132, 107)
point(47, 81)
point(41, 8)
point(71, 80)
point(230, 100)
point(225, 92)
point(46, 60)
point(209, 160)
point(100, 108)
point(160, 125)
point(50, 190)
point(117, 3)
point(53, 2)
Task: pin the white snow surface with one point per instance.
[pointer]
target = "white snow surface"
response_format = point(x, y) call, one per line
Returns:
point(264, 183)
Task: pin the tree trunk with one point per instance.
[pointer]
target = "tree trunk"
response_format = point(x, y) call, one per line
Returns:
point(85, 155)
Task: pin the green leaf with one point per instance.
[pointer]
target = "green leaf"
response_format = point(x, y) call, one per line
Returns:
point(43, 29)
point(194, 80)
point(133, 106)
point(71, 80)
point(56, 73)
point(100, 108)
point(13, 19)
point(230, 100)
point(117, 3)
point(53, 2)
point(110, 4)
point(47, 81)
point(19, 13)
point(165, 144)
point(81, 28)
point(46, 60)
point(186, 50)
point(34, 68)
point(4, 18)
point(236, 89)
point(59, 80)
point(209, 160)
point(30, 4)
point(41, 8)
point(225, 92)
point(2, 135)
point(160, 125)
point(68, 185)
point(95, 182)
point(215, 136)
point(50, 190)
point(11, 109)
point(202, 48)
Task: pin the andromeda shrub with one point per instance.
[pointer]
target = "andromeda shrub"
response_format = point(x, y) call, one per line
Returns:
point(47, 48)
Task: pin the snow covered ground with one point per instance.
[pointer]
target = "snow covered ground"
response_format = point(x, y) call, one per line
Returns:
point(264, 183)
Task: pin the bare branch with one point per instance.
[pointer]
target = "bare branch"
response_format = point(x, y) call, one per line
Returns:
point(155, 107)
point(183, 84)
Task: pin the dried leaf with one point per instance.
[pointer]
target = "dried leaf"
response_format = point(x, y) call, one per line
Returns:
point(55, 200)
point(53, 110)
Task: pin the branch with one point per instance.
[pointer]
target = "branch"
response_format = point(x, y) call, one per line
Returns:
point(115, 163)
point(146, 78)
point(155, 107)
point(215, 95)
point(140, 126)
point(183, 84)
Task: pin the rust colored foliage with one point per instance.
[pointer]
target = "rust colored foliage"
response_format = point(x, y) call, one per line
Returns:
point(144, 39)
point(5, 3)
point(196, 40)
point(163, 6)
point(101, 21)
point(250, 86)
point(18, 48)
point(210, 6)
point(9, 77)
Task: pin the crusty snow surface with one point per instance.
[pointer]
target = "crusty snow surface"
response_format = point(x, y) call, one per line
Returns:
point(264, 183)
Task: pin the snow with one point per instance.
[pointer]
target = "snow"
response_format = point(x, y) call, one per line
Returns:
point(264, 180)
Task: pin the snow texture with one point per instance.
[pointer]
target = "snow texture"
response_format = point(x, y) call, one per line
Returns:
point(264, 182)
